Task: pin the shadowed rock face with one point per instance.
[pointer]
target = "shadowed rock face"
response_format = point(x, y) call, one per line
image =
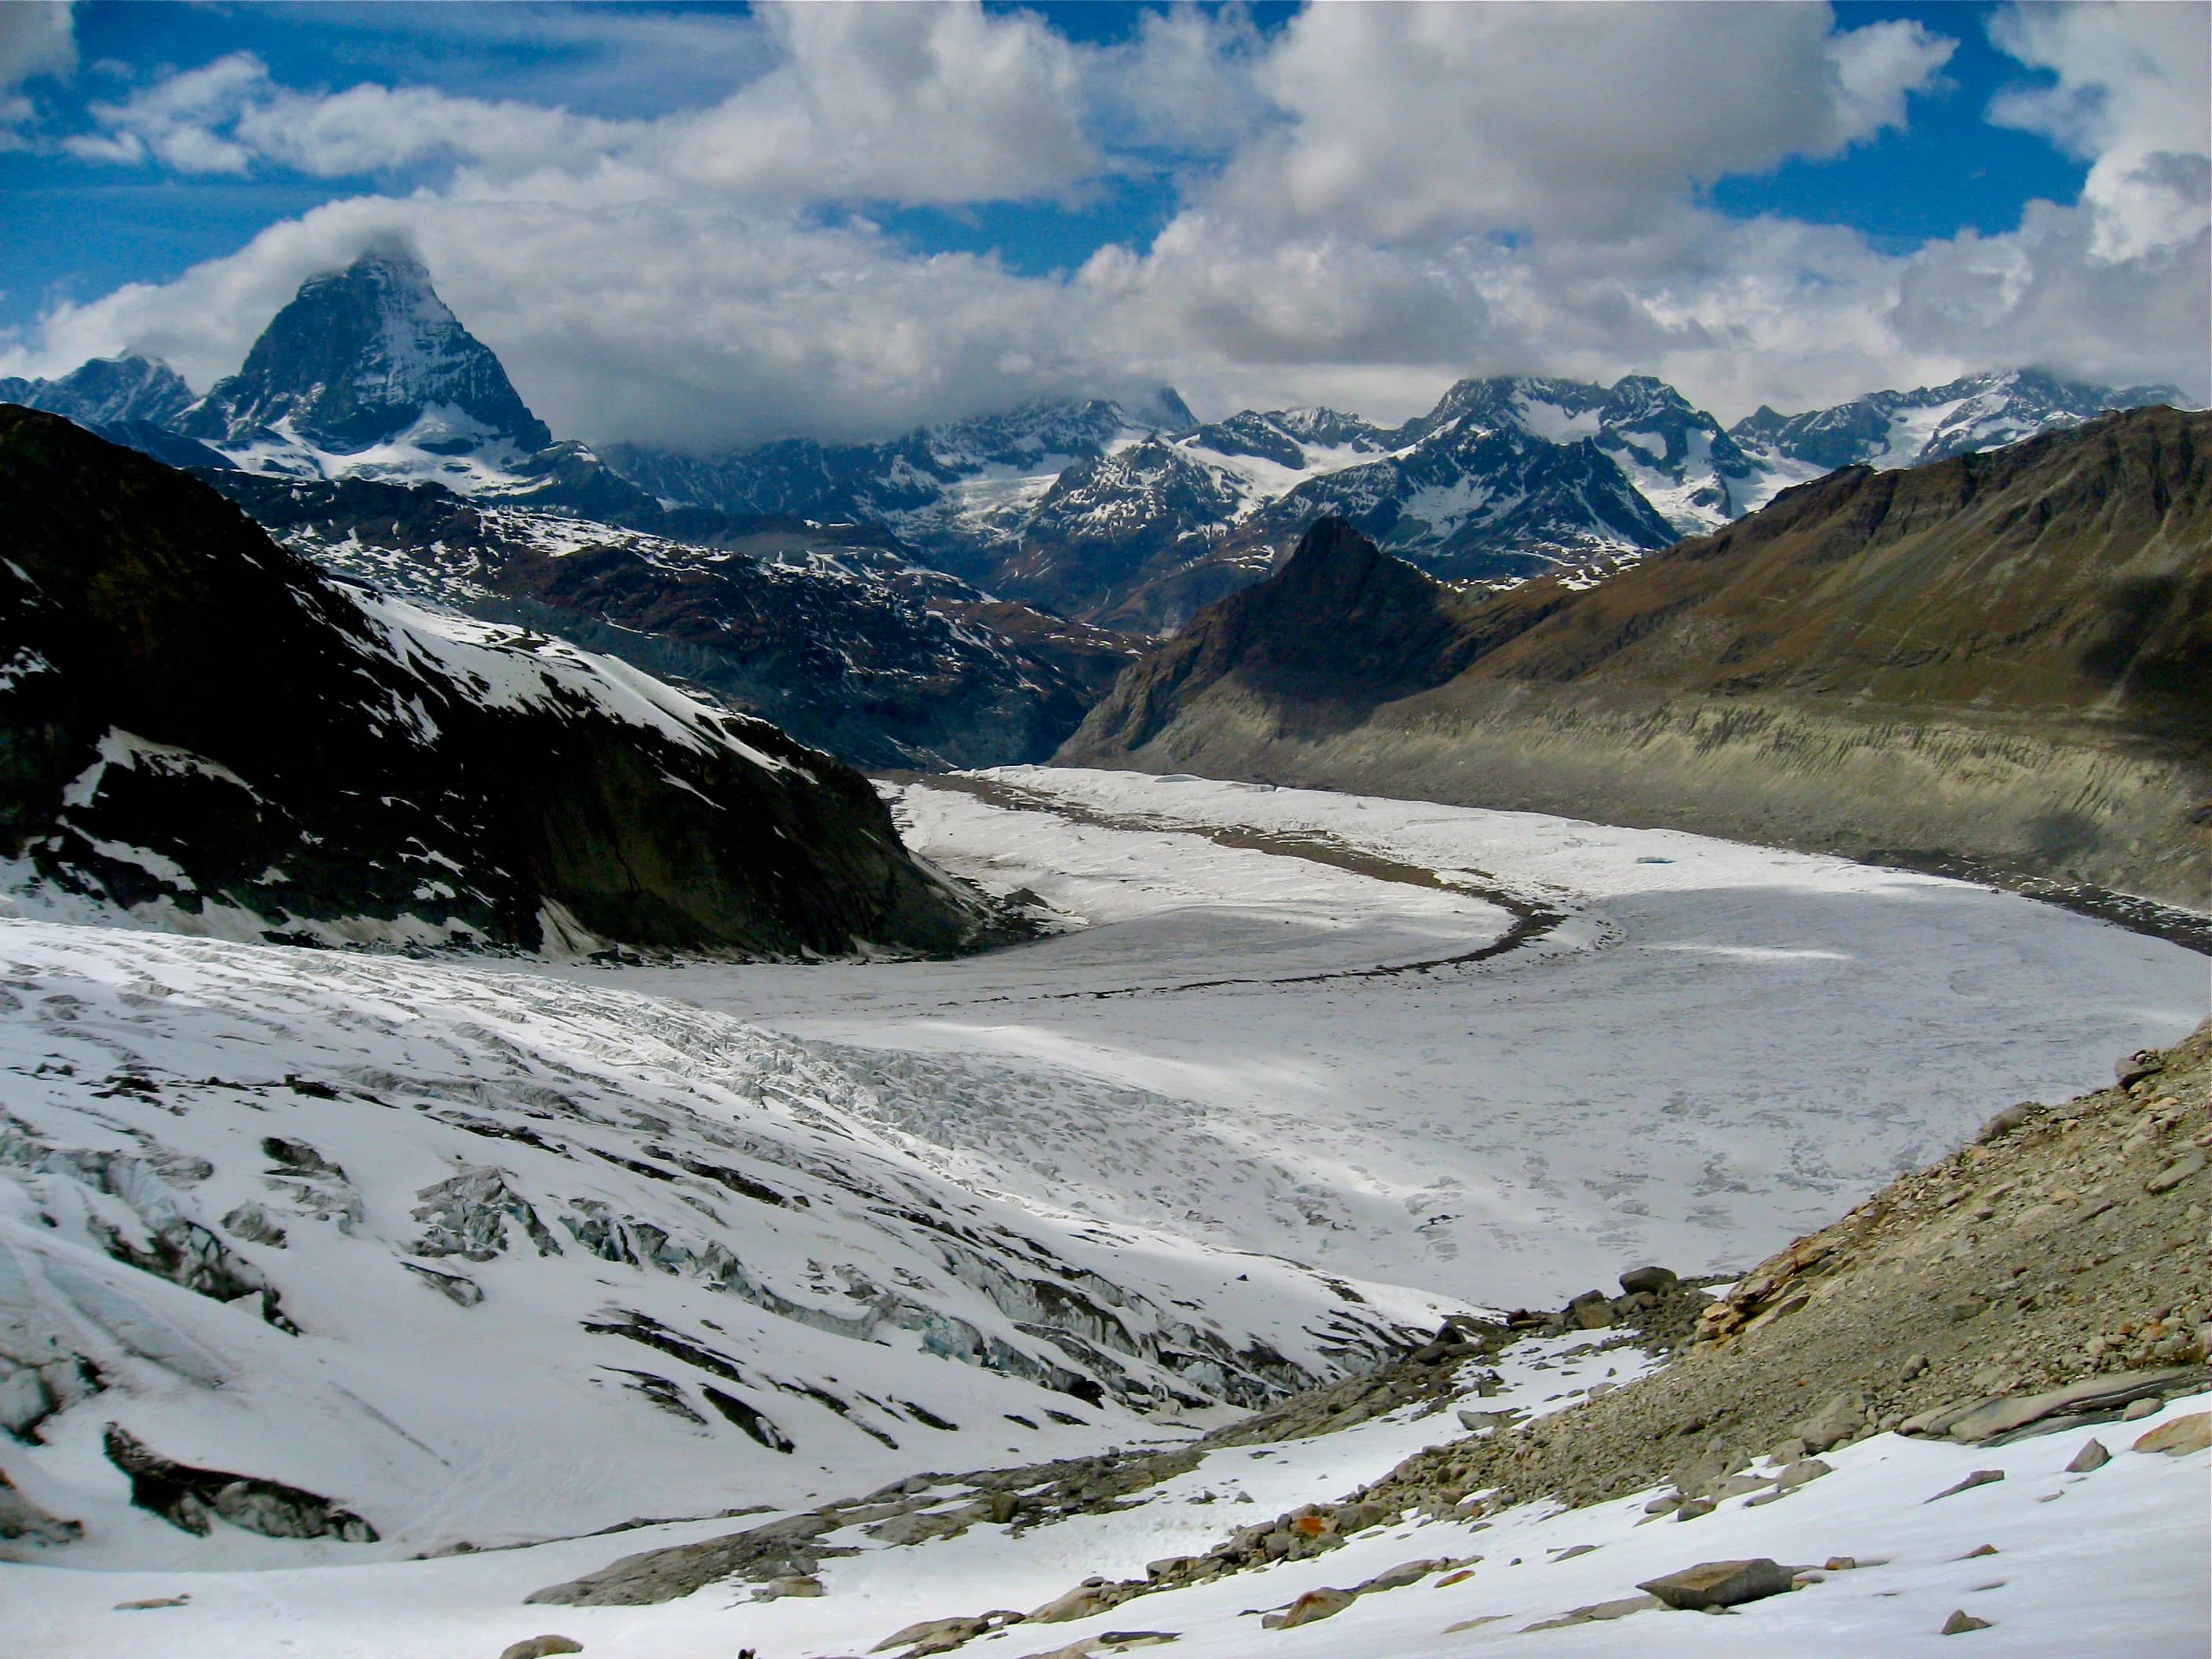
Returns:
point(196, 724)
point(2002, 657)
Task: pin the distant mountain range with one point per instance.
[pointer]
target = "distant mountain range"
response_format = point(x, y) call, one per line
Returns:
point(2001, 662)
point(371, 431)
point(1128, 515)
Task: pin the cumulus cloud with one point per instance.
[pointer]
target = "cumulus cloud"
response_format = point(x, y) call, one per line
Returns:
point(2132, 94)
point(175, 121)
point(1373, 200)
point(1409, 121)
point(903, 104)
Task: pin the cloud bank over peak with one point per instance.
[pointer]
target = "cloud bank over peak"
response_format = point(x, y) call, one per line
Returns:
point(1355, 207)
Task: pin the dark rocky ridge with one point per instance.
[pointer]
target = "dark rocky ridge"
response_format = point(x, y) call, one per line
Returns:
point(2002, 657)
point(194, 722)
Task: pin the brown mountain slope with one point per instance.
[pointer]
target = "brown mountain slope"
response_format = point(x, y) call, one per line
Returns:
point(2004, 659)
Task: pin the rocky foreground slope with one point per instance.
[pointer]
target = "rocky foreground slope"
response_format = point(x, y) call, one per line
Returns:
point(2047, 1275)
point(1997, 661)
point(199, 728)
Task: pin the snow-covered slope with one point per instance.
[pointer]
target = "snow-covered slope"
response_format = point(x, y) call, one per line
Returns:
point(479, 1257)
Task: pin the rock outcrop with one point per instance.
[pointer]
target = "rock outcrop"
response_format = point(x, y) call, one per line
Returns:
point(1995, 665)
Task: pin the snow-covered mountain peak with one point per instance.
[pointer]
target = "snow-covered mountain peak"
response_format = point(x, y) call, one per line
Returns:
point(129, 386)
point(1887, 429)
point(366, 359)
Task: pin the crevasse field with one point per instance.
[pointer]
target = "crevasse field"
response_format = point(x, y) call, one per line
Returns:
point(565, 1247)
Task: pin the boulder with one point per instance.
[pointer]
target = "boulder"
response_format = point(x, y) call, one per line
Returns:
point(2183, 1435)
point(541, 1647)
point(2013, 1117)
point(1839, 1420)
point(1357, 1517)
point(2135, 1067)
point(1736, 1485)
point(791, 1584)
point(929, 1632)
point(1078, 1603)
point(1961, 1622)
point(2093, 1456)
point(1314, 1605)
point(1979, 1478)
point(1404, 1573)
point(1796, 1474)
point(2188, 1163)
point(1656, 1280)
point(1720, 1584)
point(1476, 1421)
point(1596, 1612)
point(1985, 1419)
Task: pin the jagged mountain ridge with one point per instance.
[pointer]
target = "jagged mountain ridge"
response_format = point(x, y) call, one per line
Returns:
point(367, 383)
point(200, 731)
point(2000, 660)
point(1507, 476)
point(849, 646)
point(959, 491)
point(129, 387)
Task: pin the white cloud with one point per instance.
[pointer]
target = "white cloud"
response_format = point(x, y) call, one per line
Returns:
point(1875, 67)
point(38, 39)
point(2133, 95)
point(175, 120)
point(1186, 82)
point(1402, 195)
point(1412, 121)
point(906, 104)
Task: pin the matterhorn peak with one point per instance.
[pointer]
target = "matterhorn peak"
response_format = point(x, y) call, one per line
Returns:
point(369, 356)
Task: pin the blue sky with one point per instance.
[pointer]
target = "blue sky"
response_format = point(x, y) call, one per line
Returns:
point(129, 165)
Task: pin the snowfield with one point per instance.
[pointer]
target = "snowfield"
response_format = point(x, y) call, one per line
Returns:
point(380, 1231)
point(492, 1256)
point(1716, 1047)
